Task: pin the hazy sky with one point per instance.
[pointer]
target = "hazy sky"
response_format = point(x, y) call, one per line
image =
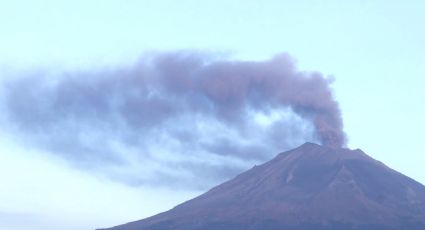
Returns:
point(374, 50)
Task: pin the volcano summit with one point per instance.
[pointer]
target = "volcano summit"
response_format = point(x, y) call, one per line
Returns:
point(310, 187)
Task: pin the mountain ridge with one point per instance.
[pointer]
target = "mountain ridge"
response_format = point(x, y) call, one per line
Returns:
point(309, 187)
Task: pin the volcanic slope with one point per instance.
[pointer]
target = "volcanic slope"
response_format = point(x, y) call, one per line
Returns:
point(312, 187)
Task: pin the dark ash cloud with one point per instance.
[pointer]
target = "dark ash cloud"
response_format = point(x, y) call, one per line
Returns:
point(173, 114)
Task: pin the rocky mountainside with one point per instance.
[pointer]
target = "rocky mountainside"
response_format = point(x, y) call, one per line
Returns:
point(310, 187)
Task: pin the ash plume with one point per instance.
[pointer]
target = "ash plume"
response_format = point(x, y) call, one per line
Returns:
point(184, 112)
point(231, 86)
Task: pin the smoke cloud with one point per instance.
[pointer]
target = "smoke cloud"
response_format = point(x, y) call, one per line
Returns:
point(174, 116)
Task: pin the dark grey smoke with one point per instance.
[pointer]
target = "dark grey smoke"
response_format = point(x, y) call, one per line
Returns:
point(232, 86)
point(176, 111)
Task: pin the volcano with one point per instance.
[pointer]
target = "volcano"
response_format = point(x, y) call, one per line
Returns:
point(312, 187)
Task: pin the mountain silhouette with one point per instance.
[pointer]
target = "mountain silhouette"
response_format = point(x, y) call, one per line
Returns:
point(312, 187)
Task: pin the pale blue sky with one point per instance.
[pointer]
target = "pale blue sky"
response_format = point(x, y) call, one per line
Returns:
point(374, 49)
